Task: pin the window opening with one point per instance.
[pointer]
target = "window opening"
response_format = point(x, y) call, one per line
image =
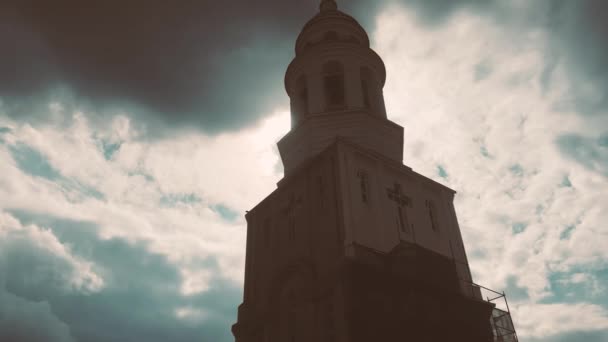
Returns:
point(364, 185)
point(432, 209)
point(333, 80)
point(366, 84)
point(301, 96)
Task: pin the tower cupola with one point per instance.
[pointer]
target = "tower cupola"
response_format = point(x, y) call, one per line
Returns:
point(335, 87)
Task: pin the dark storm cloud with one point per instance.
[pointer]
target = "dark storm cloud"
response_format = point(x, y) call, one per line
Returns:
point(579, 33)
point(214, 64)
point(434, 12)
point(218, 65)
point(29, 321)
point(137, 303)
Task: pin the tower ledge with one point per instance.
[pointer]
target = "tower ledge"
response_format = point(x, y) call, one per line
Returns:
point(317, 132)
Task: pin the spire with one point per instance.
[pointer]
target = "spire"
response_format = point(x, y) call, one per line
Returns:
point(328, 5)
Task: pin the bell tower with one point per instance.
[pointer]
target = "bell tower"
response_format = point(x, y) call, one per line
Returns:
point(335, 86)
point(354, 246)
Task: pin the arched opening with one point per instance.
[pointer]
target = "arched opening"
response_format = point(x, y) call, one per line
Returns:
point(299, 100)
point(302, 95)
point(333, 84)
point(371, 91)
point(367, 87)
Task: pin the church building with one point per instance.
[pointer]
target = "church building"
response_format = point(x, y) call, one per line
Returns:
point(354, 246)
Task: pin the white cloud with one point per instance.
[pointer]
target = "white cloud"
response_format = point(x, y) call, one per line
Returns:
point(587, 282)
point(195, 280)
point(191, 314)
point(540, 320)
point(193, 173)
point(475, 88)
point(46, 261)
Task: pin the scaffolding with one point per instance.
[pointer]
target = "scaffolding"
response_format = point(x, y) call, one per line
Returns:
point(501, 321)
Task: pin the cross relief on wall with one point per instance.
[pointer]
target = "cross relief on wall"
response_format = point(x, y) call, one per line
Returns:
point(396, 195)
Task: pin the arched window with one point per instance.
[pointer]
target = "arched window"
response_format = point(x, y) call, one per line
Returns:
point(299, 100)
point(367, 86)
point(333, 84)
point(302, 95)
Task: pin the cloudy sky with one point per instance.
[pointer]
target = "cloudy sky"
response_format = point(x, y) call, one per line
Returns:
point(124, 128)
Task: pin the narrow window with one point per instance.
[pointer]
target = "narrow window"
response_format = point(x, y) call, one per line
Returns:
point(433, 215)
point(364, 185)
point(366, 83)
point(321, 191)
point(365, 88)
point(333, 80)
point(301, 97)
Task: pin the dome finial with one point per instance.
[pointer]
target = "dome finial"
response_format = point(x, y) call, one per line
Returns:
point(328, 5)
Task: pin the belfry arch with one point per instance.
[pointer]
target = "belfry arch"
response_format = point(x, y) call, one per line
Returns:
point(371, 92)
point(334, 91)
point(300, 100)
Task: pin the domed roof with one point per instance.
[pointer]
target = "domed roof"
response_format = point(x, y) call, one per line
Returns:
point(330, 19)
point(332, 15)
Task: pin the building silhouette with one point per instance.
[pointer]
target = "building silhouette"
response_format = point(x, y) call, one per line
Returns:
point(353, 245)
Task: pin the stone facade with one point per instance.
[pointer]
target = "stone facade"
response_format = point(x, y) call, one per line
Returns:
point(331, 257)
point(352, 245)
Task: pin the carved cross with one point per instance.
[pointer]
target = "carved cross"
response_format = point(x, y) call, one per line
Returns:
point(396, 195)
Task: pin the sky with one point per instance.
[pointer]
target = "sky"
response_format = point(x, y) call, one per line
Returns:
point(124, 128)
